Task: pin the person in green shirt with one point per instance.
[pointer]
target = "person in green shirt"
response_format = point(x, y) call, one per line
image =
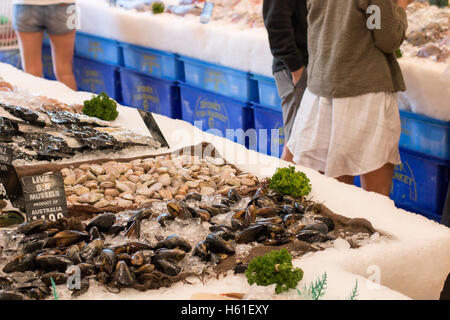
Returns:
point(348, 123)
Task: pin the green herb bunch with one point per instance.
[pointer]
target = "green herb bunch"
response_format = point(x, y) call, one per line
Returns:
point(158, 7)
point(274, 267)
point(101, 107)
point(290, 182)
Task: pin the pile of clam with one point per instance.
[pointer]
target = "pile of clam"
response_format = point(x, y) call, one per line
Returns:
point(139, 183)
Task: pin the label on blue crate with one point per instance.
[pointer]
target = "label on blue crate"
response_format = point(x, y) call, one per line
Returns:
point(215, 114)
point(44, 197)
point(149, 98)
point(403, 176)
point(215, 80)
point(92, 80)
point(207, 12)
point(95, 49)
point(149, 63)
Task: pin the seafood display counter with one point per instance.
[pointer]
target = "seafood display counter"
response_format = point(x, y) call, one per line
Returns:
point(183, 221)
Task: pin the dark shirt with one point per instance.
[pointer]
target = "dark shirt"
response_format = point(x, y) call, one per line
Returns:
point(286, 24)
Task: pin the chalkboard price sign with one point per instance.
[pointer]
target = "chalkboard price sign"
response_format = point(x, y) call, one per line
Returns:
point(44, 197)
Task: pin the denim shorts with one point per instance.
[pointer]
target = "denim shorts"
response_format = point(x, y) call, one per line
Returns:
point(55, 19)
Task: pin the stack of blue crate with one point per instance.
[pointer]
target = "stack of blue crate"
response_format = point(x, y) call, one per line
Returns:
point(217, 99)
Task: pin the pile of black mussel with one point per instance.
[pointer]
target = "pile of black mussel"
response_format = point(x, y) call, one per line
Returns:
point(58, 250)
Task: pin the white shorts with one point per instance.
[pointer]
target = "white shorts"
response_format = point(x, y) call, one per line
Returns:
point(346, 136)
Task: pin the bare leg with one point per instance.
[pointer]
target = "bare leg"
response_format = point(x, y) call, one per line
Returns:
point(346, 179)
point(379, 181)
point(31, 52)
point(287, 155)
point(62, 55)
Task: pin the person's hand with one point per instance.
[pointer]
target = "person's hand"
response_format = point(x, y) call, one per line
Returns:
point(404, 3)
point(297, 75)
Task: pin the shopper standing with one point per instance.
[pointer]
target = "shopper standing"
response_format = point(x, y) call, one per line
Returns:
point(348, 123)
point(30, 19)
point(286, 24)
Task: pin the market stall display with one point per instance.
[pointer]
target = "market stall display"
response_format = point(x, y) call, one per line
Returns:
point(383, 237)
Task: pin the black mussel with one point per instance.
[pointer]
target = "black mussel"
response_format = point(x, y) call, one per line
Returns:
point(133, 228)
point(329, 222)
point(288, 200)
point(146, 268)
point(8, 295)
point(92, 249)
point(212, 210)
point(115, 229)
point(275, 229)
point(318, 226)
point(201, 250)
point(103, 277)
point(124, 257)
point(250, 215)
point(33, 246)
point(108, 260)
point(219, 228)
point(193, 196)
point(53, 262)
point(34, 237)
point(35, 226)
point(103, 222)
point(6, 283)
point(177, 210)
point(240, 214)
point(169, 254)
point(123, 275)
point(288, 220)
point(268, 212)
point(259, 193)
point(284, 238)
point(234, 195)
point(288, 209)
point(203, 215)
point(226, 235)
point(58, 277)
point(86, 269)
point(163, 218)
point(73, 253)
point(68, 237)
point(252, 233)
point(276, 220)
point(237, 225)
point(217, 244)
point(240, 268)
point(299, 207)
point(138, 259)
point(21, 263)
point(94, 234)
point(174, 241)
point(264, 202)
point(227, 202)
point(133, 247)
point(222, 207)
point(312, 236)
point(168, 267)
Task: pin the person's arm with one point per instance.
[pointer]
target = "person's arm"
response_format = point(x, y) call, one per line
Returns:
point(393, 24)
point(277, 16)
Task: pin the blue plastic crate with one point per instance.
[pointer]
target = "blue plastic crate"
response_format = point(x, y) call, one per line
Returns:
point(98, 48)
point(425, 135)
point(216, 113)
point(228, 82)
point(11, 57)
point(97, 77)
point(150, 94)
point(152, 62)
point(267, 91)
point(270, 130)
point(420, 184)
point(47, 63)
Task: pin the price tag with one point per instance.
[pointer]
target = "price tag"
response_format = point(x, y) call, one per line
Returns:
point(11, 196)
point(44, 197)
point(207, 12)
